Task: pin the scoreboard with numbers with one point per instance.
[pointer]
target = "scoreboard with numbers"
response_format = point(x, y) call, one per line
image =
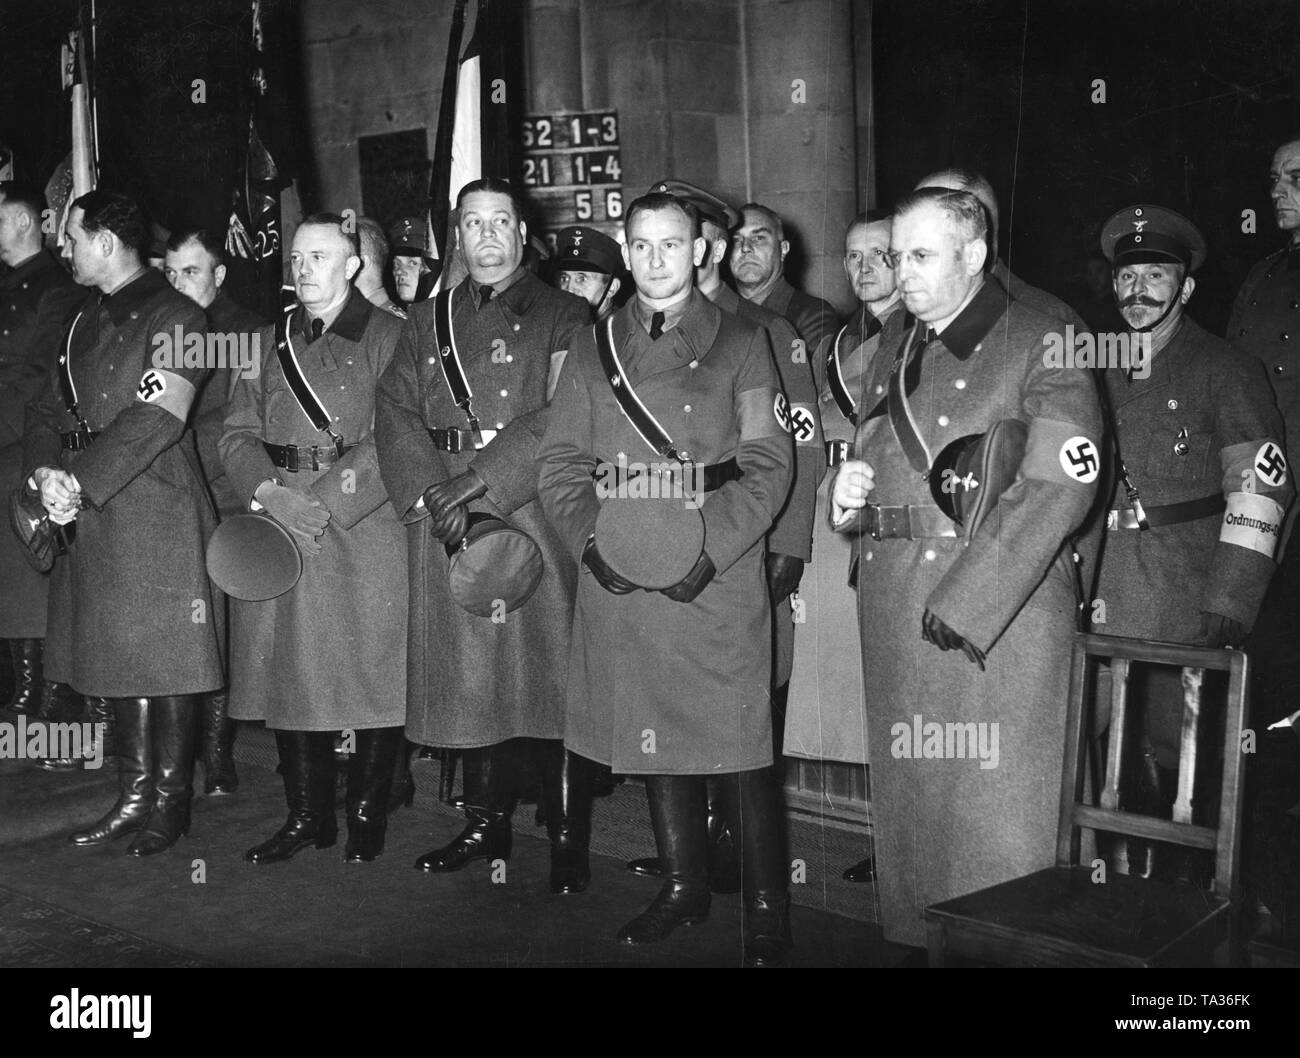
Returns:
point(573, 172)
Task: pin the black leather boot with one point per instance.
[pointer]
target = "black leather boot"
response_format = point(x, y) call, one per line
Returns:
point(753, 800)
point(135, 776)
point(724, 860)
point(677, 812)
point(402, 791)
point(60, 704)
point(174, 728)
point(103, 731)
point(370, 782)
point(28, 671)
point(490, 798)
point(567, 793)
point(307, 759)
point(219, 776)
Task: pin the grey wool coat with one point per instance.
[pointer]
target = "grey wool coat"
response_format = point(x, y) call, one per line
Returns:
point(826, 716)
point(132, 613)
point(657, 686)
point(331, 652)
point(37, 301)
point(1195, 427)
point(952, 824)
point(473, 681)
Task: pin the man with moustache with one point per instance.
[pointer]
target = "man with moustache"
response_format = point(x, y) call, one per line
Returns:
point(673, 684)
point(195, 265)
point(588, 263)
point(329, 655)
point(1265, 323)
point(1197, 512)
point(133, 617)
point(970, 623)
point(494, 689)
point(757, 264)
point(37, 300)
point(826, 717)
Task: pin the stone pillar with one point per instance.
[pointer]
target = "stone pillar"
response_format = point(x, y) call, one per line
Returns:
point(554, 32)
point(802, 130)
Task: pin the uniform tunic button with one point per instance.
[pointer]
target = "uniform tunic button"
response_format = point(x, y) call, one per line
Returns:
point(1284, 336)
point(686, 407)
point(510, 358)
point(1242, 331)
point(349, 362)
point(1180, 448)
point(943, 420)
point(960, 384)
point(1277, 369)
point(622, 455)
point(505, 393)
point(501, 426)
point(1295, 304)
point(879, 390)
point(1253, 302)
point(1172, 405)
point(432, 360)
point(929, 555)
point(870, 555)
point(516, 326)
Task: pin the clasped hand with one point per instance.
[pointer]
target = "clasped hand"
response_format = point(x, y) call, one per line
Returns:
point(60, 494)
point(446, 501)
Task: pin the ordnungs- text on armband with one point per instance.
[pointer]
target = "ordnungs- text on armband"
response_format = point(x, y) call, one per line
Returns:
point(1252, 521)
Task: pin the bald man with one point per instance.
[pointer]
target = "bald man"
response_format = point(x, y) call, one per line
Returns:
point(1038, 300)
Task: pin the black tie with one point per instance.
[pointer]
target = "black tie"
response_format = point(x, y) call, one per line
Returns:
point(656, 326)
point(484, 295)
point(317, 328)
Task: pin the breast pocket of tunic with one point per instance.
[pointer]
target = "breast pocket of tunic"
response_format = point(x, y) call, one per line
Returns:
point(1177, 445)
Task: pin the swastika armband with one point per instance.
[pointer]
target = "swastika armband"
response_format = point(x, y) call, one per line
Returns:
point(762, 412)
point(1061, 452)
point(1252, 521)
point(803, 425)
point(168, 391)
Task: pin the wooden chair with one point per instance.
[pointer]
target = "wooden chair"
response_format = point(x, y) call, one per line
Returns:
point(1062, 917)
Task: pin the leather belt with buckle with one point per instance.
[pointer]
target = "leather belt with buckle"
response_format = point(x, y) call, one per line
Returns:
point(1169, 513)
point(908, 522)
point(294, 458)
point(78, 440)
point(450, 439)
point(836, 452)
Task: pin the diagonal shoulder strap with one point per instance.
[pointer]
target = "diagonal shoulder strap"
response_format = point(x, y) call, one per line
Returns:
point(835, 371)
point(301, 389)
point(449, 359)
point(68, 388)
point(637, 413)
point(899, 410)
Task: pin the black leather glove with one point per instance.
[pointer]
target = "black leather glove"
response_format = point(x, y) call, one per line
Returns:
point(446, 501)
point(935, 631)
point(1220, 631)
point(609, 580)
point(783, 575)
point(686, 589)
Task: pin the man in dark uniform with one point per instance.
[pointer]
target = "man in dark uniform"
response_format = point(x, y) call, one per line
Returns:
point(196, 266)
point(133, 617)
point(490, 687)
point(826, 717)
point(589, 263)
point(1265, 323)
point(408, 242)
point(1203, 484)
point(374, 263)
point(789, 543)
point(329, 655)
point(758, 265)
point(674, 684)
point(964, 624)
point(37, 300)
